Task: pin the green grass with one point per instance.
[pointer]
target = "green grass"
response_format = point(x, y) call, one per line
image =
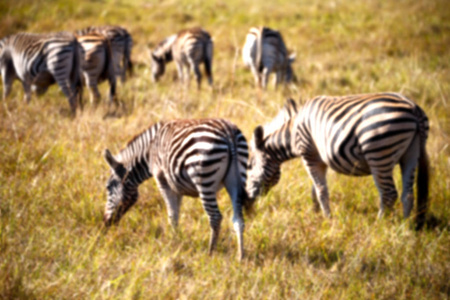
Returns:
point(52, 175)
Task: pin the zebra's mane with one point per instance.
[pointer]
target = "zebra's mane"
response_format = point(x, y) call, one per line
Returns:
point(288, 111)
point(138, 146)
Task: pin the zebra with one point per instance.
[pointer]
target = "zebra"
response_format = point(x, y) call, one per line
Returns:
point(97, 64)
point(38, 61)
point(264, 51)
point(188, 48)
point(121, 45)
point(356, 135)
point(194, 157)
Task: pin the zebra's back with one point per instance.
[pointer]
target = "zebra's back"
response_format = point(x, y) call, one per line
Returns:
point(199, 152)
point(354, 133)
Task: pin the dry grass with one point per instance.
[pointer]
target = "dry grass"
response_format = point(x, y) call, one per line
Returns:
point(52, 174)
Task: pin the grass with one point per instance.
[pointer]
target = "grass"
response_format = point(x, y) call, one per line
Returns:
point(52, 175)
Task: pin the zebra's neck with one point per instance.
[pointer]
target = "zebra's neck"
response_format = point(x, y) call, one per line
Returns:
point(164, 49)
point(136, 156)
point(280, 143)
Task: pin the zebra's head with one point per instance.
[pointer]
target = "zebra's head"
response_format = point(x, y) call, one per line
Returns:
point(158, 67)
point(263, 171)
point(121, 195)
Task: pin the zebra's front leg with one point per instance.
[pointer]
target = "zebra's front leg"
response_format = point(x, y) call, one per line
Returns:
point(386, 188)
point(180, 71)
point(172, 199)
point(27, 91)
point(317, 171)
point(316, 203)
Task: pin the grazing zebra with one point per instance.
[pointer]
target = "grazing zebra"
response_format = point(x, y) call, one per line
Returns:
point(121, 44)
point(354, 135)
point(97, 64)
point(186, 157)
point(188, 49)
point(38, 61)
point(264, 51)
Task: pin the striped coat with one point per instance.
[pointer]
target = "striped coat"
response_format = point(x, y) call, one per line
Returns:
point(121, 44)
point(38, 61)
point(97, 65)
point(264, 52)
point(354, 135)
point(189, 48)
point(186, 157)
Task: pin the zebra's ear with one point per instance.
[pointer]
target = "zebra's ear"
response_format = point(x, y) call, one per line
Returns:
point(118, 168)
point(258, 137)
point(290, 105)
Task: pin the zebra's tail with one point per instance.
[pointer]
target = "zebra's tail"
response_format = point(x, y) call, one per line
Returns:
point(75, 75)
point(423, 171)
point(127, 63)
point(207, 59)
point(259, 49)
point(240, 143)
point(109, 71)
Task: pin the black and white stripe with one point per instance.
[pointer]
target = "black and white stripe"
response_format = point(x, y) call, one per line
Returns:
point(121, 44)
point(186, 157)
point(354, 135)
point(264, 52)
point(189, 48)
point(97, 65)
point(39, 60)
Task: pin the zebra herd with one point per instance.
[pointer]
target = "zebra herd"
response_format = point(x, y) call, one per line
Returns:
point(356, 135)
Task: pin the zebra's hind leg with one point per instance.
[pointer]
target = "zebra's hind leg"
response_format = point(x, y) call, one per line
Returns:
point(215, 217)
point(198, 74)
point(408, 164)
point(317, 171)
point(386, 188)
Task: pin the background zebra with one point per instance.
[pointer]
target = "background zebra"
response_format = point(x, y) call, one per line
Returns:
point(354, 135)
point(189, 48)
point(186, 157)
point(38, 61)
point(121, 44)
point(264, 51)
point(97, 65)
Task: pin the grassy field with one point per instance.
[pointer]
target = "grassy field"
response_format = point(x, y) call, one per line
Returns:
point(52, 174)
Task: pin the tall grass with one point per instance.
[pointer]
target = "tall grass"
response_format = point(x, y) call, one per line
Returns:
point(52, 175)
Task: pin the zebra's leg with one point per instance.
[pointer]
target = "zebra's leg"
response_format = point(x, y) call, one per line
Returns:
point(256, 75)
point(69, 92)
point(209, 203)
point(7, 85)
point(180, 71)
point(408, 164)
point(315, 201)
point(278, 79)
point(198, 75)
point(236, 192)
point(265, 76)
point(317, 171)
point(94, 93)
point(172, 199)
point(386, 188)
point(27, 91)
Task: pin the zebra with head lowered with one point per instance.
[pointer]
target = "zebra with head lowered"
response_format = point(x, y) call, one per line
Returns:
point(121, 44)
point(264, 52)
point(354, 135)
point(189, 48)
point(38, 61)
point(186, 157)
point(97, 65)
